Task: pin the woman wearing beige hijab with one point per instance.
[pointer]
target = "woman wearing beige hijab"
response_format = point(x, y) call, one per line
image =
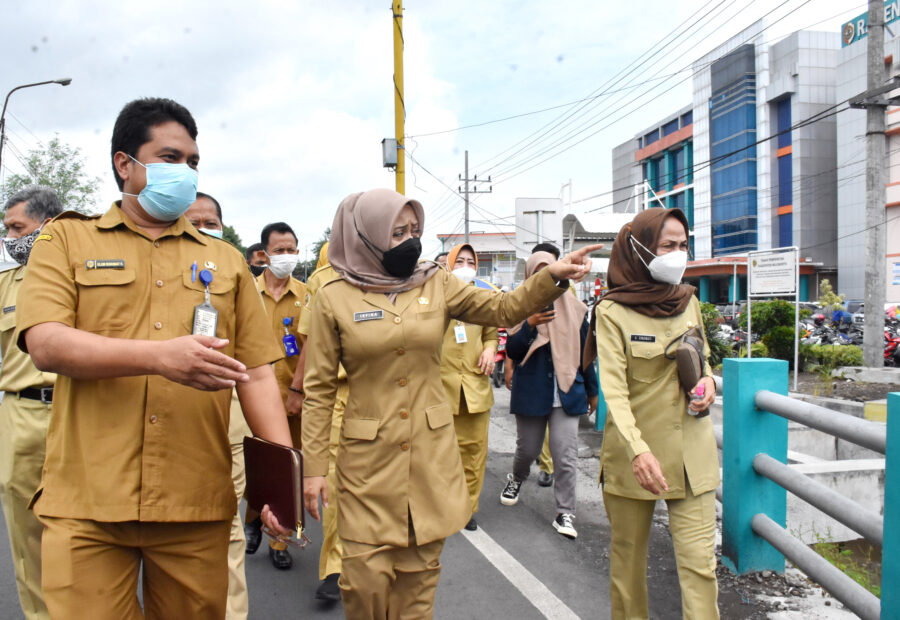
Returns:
point(549, 391)
point(400, 481)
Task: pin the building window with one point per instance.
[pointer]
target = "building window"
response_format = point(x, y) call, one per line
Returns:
point(784, 122)
point(785, 180)
point(651, 137)
point(786, 230)
point(670, 127)
point(687, 119)
point(678, 166)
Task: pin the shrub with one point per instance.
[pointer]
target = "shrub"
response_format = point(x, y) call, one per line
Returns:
point(768, 315)
point(779, 340)
point(829, 356)
point(718, 348)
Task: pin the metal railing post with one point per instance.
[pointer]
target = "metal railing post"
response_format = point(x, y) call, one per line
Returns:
point(890, 551)
point(747, 432)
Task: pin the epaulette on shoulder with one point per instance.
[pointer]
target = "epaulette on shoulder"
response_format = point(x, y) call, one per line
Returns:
point(75, 215)
point(337, 278)
point(325, 267)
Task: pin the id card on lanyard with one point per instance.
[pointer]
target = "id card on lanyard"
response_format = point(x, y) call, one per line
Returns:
point(460, 333)
point(206, 317)
point(290, 341)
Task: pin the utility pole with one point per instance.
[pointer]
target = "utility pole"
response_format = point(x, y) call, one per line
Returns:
point(873, 336)
point(399, 106)
point(466, 191)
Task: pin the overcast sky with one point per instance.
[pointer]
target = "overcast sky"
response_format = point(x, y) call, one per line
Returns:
point(292, 98)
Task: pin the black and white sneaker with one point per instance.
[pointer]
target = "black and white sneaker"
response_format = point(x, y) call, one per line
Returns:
point(510, 494)
point(564, 524)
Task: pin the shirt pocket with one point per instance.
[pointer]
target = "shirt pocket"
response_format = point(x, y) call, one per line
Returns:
point(221, 296)
point(438, 416)
point(8, 321)
point(359, 428)
point(106, 299)
point(647, 363)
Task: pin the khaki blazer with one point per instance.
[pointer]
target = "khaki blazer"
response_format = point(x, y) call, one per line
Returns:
point(398, 456)
point(459, 367)
point(647, 409)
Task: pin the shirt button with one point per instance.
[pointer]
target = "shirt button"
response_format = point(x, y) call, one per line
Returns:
point(159, 283)
point(649, 354)
point(397, 319)
point(157, 325)
point(156, 244)
point(404, 446)
point(690, 324)
point(153, 419)
point(401, 382)
point(404, 415)
point(401, 351)
point(678, 427)
point(668, 333)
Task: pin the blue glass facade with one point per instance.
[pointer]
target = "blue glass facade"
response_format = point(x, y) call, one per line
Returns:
point(785, 174)
point(732, 111)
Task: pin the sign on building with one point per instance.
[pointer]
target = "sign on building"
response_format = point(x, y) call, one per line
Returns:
point(773, 272)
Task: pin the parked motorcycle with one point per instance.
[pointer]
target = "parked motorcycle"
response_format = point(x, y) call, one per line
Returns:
point(497, 377)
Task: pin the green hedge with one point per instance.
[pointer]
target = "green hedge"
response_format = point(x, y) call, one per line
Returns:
point(831, 356)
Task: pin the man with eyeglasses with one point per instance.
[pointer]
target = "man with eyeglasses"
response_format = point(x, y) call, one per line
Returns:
point(283, 297)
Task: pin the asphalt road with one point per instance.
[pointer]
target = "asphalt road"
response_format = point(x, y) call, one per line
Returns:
point(515, 566)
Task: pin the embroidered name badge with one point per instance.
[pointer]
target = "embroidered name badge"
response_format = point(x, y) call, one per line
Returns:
point(104, 263)
point(9, 309)
point(371, 315)
point(642, 338)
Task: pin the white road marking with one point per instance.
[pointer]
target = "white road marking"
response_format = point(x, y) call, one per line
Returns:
point(530, 586)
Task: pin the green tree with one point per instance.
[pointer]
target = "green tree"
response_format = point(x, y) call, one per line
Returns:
point(769, 314)
point(230, 235)
point(829, 301)
point(60, 167)
point(305, 267)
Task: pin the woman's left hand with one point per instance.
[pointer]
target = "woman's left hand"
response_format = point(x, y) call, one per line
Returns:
point(486, 361)
point(574, 265)
point(709, 394)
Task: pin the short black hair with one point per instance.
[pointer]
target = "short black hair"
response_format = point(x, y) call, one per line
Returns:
point(216, 203)
point(253, 249)
point(438, 257)
point(546, 247)
point(279, 227)
point(132, 128)
point(40, 202)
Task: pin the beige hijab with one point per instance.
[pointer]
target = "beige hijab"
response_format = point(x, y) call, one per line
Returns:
point(372, 214)
point(563, 332)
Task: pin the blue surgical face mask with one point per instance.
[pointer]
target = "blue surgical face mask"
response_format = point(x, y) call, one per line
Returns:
point(212, 232)
point(170, 190)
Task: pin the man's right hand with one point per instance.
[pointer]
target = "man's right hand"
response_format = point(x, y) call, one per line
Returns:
point(193, 361)
point(313, 488)
point(294, 403)
point(541, 317)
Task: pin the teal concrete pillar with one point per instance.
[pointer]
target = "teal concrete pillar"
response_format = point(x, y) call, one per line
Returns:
point(704, 288)
point(747, 432)
point(890, 551)
point(600, 419)
point(669, 159)
point(689, 167)
point(804, 287)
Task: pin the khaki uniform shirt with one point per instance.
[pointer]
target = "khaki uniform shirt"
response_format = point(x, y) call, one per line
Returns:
point(318, 278)
point(17, 371)
point(139, 448)
point(398, 454)
point(647, 409)
point(459, 367)
point(288, 306)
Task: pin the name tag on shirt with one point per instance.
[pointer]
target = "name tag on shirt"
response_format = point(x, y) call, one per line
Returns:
point(642, 338)
point(9, 309)
point(104, 263)
point(460, 332)
point(371, 315)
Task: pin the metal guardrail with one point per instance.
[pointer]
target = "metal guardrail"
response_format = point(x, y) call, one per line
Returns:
point(757, 479)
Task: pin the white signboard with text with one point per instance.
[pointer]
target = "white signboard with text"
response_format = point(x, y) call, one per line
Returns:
point(773, 272)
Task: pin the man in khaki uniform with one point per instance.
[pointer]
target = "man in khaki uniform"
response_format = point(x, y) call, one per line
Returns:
point(330, 553)
point(138, 465)
point(25, 410)
point(283, 297)
point(206, 216)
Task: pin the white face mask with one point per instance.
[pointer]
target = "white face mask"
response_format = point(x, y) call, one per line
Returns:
point(282, 265)
point(466, 274)
point(668, 268)
point(212, 232)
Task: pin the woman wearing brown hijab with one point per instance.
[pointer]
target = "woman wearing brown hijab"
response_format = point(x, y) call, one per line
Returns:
point(654, 445)
point(400, 481)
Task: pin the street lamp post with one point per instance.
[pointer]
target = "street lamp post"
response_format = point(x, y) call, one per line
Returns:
point(60, 81)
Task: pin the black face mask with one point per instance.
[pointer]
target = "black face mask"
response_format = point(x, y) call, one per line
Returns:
point(257, 269)
point(400, 261)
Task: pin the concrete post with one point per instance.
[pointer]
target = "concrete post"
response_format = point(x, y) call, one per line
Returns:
point(890, 550)
point(747, 432)
point(704, 288)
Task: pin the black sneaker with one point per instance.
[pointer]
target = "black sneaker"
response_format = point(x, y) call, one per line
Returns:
point(281, 559)
point(472, 525)
point(564, 524)
point(253, 533)
point(329, 590)
point(510, 494)
point(545, 479)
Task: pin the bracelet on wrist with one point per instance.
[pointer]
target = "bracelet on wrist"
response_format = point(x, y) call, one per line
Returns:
point(295, 390)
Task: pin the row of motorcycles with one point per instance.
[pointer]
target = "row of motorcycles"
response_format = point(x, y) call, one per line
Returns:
point(817, 330)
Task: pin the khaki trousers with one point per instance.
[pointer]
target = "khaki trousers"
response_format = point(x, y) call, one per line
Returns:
point(91, 569)
point(23, 436)
point(544, 459)
point(330, 554)
point(381, 582)
point(472, 437)
point(238, 604)
point(692, 523)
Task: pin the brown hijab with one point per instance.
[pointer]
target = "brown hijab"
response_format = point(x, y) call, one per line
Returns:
point(372, 214)
point(629, 279)
point(564, 331)
point(454, 253)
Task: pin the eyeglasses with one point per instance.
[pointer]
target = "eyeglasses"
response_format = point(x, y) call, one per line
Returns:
point(300, 542)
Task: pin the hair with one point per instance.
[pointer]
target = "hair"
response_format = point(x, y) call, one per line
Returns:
point(546, 247)
point(253, 249)
point(438, 257)
point(40, 202)
point(132, 128)
point(216, 203)
point(279, 227)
